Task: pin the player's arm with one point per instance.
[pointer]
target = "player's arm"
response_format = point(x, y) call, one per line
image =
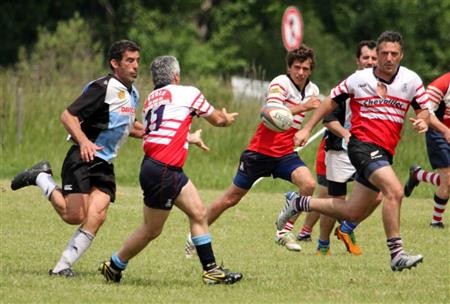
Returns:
point(420, 123)
point(221, 118)
point(326, 107)
point(196, 139)
point(312, 103)
point(72, 125)
point(138, 130)
point(337, 129)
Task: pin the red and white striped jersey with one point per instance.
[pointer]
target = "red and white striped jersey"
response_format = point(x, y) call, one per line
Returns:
point(282, 90)
point(168, 113)
point(439, 92)
point(378, 115)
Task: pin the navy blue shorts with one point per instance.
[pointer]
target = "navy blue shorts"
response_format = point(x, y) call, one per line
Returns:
point(160, 183)
point(253, 165)
point(367, 158)
point(438, 149)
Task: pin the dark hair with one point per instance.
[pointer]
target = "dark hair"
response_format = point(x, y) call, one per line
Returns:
point(118, 48)
point(389, 36)
point(371, 44)
point(302, 53)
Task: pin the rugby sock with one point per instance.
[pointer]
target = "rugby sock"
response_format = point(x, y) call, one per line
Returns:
point(117, 264)
point(348, 227)
point(395, 246)
point(323, 244)
point(439, 208)
point(305, 231)
point(204, 250)
point(302, 203)
point(430, 177)
point(288, 227)
point(46, 183)
point(76, 247)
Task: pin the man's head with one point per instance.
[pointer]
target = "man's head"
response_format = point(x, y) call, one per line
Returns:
point(123, 56)
point(366, 55)
point(165, 70)
point(300, 64)
point(389, 52)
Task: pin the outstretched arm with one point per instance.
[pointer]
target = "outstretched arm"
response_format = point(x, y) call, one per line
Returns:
point(221, 118)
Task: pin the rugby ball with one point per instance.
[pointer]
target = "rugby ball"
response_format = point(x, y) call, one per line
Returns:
point(276, 117)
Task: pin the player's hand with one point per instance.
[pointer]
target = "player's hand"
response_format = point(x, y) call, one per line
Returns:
point(312, 103)
point(88, 150)
point(196, 139)
point(301, 137)
point(419, 125)
point(229, 117)
point(446, 135)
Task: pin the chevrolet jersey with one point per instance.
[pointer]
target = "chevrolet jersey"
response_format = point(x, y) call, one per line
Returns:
point(107, 111)
point(378, 107)
point(168, 113)
point(282, 90)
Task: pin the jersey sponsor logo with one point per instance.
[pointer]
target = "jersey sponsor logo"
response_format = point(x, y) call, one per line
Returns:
point(68, 187)
point(127, 110)
point(275, 90)
point(384, 101)
point(157, 98)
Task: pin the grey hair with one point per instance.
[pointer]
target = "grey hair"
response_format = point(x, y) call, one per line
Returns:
point(164, 69)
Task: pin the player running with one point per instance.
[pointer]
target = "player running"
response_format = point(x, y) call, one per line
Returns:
point(438, 148)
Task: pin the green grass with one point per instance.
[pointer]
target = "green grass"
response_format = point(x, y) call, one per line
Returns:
point(33, 237)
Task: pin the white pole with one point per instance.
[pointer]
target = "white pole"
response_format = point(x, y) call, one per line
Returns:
point(310, 140)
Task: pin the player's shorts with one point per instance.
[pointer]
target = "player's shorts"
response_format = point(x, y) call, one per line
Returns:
point(79, 176)
point(161, 183)
point(438, 149)
point(339, 167)
point(367, 158)
point(322, 180)
point(253, 165)
point(320, 159)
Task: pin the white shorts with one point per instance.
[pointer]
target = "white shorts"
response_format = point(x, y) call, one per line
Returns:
point(339, 167)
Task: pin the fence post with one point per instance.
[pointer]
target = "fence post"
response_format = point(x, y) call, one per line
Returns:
point(19, 115)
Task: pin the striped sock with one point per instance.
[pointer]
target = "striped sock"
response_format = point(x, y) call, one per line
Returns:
point(439, 208)
point(302, 203)
point(306, 230)
point(429, 177)
point(348, 227)
point(395, 246)
point(323, 244)
point(288, 227)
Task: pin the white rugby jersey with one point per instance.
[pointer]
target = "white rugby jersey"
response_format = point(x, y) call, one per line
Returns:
point(168, 113)
point(282, 90)
point(379, 119)
point(439, 92)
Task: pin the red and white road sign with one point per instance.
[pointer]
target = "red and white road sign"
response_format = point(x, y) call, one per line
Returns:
point(292, 28)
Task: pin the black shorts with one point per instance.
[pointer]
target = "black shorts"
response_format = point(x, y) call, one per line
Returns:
point(366, 158)
point(161, 183)
point(79, 176)
point(253, 165)
point(337, 189)
point(438, 149)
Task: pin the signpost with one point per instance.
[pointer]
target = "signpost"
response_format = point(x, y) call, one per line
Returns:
point(292, 28)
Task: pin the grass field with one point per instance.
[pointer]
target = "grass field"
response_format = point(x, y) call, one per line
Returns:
point(32, 238)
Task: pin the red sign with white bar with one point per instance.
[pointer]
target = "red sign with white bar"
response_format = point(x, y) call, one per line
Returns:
point(292, 28)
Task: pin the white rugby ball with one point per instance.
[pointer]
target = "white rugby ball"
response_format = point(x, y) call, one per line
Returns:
point(276, 117)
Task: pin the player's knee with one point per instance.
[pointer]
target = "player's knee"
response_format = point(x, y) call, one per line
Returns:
point(199, 215)
point(394, 194)
point(307, 187)
point(73, 218)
